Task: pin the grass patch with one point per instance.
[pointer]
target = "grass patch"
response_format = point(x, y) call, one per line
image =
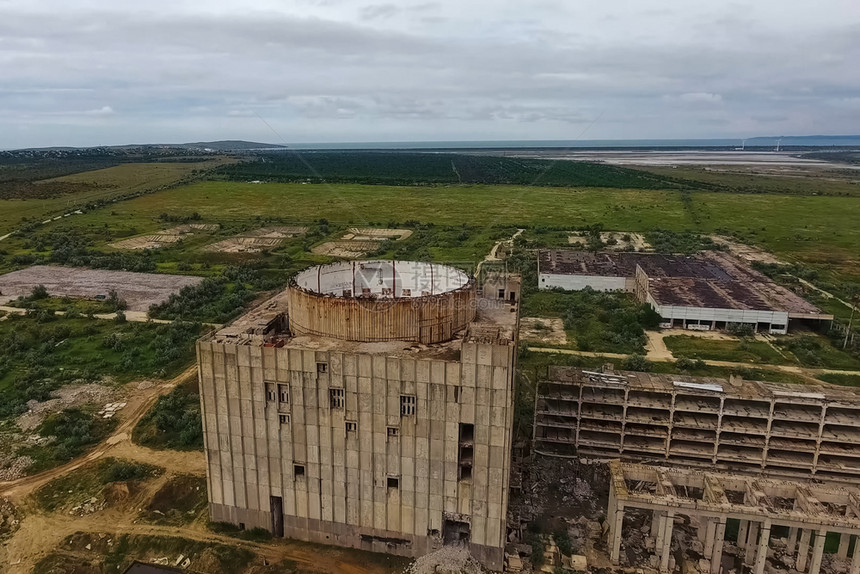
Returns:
point(840, 379)
point(70, 433)
point(43, 351)
point(254, 534)
point(116, 553)
point(173, 421)
point(818, 351)
point(743, 350)
point(595, 321)
point(88, 481)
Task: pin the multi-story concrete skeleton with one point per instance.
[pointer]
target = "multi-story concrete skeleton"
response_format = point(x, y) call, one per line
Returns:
point(370, 405)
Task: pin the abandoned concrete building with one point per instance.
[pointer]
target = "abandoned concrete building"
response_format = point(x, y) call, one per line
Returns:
point(703, 292)
point(759, 507)
point(741, 426)
point(370, 405)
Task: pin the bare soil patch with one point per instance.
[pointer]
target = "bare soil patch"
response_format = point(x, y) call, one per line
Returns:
point(163, 238)
point(139, 290)
point(540, 330)
point(256, 240)
point(745, 252)
point(359, 241)
point(374, 234)
point(614, 241)
point(346, 249)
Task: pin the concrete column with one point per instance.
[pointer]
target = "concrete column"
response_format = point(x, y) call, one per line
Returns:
point(710, 532)
point(742, 533)
point(616, 520)
point(717, 550)
point(752, 544)
point(761, 551)
point(803, 551)
point(844, 542)
point(792, 541)
point(660, 521)
point(855, 559)
point(665, 549)
point(817, 552)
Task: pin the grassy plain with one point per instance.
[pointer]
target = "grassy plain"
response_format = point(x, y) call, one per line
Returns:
point(815, 230)
point(97, 185)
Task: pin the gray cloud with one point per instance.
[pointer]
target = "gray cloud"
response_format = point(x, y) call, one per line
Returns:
point(334, 70)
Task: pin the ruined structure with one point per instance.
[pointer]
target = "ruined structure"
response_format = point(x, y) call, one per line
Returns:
point(747, 426)
point(710, 500)
point(370, 405)
point(703, 292)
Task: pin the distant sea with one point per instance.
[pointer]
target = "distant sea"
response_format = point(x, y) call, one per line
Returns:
point(788, 141)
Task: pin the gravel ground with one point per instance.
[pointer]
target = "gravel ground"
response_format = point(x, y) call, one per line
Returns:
point(446, 560)
point(140, 290)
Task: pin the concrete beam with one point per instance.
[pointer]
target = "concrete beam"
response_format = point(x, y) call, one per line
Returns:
point(792, 541)
point(616, 521)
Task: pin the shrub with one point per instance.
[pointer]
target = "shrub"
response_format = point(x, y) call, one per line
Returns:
point(637, 363)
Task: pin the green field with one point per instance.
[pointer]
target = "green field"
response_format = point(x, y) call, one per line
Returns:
point(93, 187)
point(819, 231)
point(741, 350)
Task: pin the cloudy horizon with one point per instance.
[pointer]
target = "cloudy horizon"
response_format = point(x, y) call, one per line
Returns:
point(92, 73)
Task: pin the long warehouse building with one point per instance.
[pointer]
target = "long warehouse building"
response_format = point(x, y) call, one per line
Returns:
point(702, 292)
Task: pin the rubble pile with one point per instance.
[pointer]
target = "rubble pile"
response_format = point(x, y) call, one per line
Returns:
point(446, 560)
point(90, 506)
point(564, 487)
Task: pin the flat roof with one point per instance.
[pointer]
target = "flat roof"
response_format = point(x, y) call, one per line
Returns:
point(267, 325)
point(713, 279)
point(689, 384)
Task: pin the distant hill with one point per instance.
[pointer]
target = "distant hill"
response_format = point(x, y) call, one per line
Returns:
point(230, 145)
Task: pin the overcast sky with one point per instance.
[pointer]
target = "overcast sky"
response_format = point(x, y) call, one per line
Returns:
point(95, 72)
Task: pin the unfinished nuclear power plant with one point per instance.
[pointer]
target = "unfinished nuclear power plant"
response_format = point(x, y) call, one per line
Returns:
point(370, 405)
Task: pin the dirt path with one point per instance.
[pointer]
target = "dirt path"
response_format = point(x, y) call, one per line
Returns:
point(42, 532)
point(493, 254)
point(137, 406)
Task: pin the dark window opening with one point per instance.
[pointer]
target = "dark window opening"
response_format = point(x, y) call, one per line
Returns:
point(455, 533)
point(351, 426)
point(283, 393)
point(336, 398)
point(407, 405)
point(284, 419)
point(298, 470)
point(501, 293)
point(347, 293)
point(322, 367)
point(271, 395)
point(393, 431)
point(466, 451)
point(393, 482)
point(241, 526)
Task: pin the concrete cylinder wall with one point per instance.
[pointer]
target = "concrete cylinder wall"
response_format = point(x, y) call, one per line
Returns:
point(431, 318)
